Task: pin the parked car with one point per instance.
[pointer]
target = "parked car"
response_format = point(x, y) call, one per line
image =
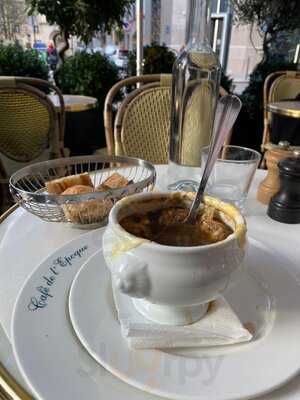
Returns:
point(110, 50)
point(120, 58)
point(41, 48)
point(89, 50)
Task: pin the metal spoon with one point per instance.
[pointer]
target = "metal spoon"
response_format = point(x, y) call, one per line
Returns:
point(228, 109)
point(180, 233)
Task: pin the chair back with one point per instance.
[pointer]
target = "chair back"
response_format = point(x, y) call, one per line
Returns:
point(285, 87)
point(142, 123)
point(29, 122)
point(280, 85)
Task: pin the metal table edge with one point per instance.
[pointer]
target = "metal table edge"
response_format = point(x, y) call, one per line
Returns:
point(284, 112)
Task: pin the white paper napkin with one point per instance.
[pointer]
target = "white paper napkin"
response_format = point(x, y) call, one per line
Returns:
point(220, 326)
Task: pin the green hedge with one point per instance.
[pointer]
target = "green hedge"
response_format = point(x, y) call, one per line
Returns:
point(159, 59)
point(15, 61)
point(248, 130)
point(252, 96)
point(87, 74)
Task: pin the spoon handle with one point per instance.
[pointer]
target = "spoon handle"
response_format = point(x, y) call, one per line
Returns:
point(227, 111)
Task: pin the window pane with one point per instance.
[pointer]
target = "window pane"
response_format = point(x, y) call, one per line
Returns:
point(217, 30)
point(218, 6)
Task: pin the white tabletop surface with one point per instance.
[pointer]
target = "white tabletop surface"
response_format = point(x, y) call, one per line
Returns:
point(75, 102)
point(287, 108)
point(294, 105)
point(25, 241)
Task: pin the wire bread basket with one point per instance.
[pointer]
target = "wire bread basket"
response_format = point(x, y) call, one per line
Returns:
point(28, 188)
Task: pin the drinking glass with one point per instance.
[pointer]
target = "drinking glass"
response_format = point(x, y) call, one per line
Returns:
point(232, 174)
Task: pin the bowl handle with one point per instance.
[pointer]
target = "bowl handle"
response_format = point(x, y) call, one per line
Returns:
point(131, 276)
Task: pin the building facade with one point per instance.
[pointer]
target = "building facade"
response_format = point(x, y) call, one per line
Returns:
point(164, 21)
point(15, 25)
point(238, 52)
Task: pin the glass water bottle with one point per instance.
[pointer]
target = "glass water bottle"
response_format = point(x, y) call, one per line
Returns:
point(195, 90)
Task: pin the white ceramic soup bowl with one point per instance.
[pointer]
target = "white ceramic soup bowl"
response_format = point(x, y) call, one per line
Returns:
point(168, 284)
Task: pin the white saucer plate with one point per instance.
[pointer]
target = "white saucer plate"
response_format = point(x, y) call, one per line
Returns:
point(55, 365)
point(228, 372)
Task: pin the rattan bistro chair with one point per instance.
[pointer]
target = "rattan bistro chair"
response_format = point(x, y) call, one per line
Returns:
point(280, 85)
point(142, 123)
point(29, 122)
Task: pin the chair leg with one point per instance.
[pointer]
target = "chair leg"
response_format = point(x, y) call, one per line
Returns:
point(5, 197)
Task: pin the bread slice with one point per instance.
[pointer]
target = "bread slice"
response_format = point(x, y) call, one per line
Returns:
point(115, 181)
point(78, 189)
point(57, 186)
point(87, 211)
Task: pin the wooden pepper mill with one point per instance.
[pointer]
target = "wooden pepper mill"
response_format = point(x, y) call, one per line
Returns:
point(270, 185)
point(285, 205)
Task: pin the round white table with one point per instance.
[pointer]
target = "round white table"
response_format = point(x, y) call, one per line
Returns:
point(75, 103)
point(25, 241)
point(285, 108)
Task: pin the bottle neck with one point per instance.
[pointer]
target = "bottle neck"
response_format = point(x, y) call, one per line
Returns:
point(198, 24)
